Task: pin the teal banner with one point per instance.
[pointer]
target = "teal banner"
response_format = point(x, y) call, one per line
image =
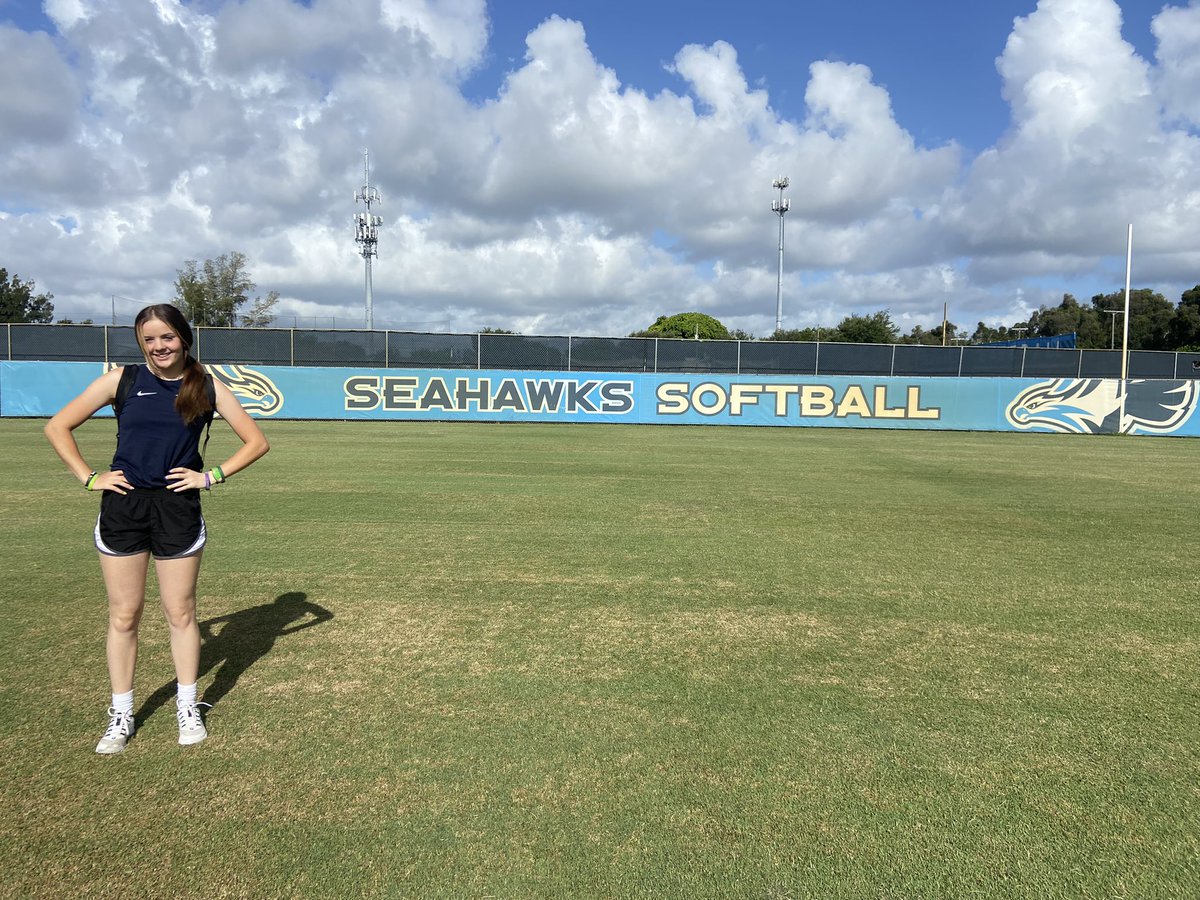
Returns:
point(1064, 405)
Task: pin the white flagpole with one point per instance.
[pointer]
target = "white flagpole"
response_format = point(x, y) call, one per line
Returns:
point(1125, 329)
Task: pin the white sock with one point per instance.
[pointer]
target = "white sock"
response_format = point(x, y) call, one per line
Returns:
point(186, 694)
point(123, 703)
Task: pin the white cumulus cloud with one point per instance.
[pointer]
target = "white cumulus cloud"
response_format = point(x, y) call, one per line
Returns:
point(141, 134)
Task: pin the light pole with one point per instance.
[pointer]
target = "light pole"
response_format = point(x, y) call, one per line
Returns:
point(1112, 331)
point(1020, 330)
point(780, 207)
point(366, 230)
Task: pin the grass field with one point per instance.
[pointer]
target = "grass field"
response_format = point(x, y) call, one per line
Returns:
point(457, 660)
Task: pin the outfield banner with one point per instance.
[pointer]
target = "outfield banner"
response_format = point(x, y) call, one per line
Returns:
point(1064, 405)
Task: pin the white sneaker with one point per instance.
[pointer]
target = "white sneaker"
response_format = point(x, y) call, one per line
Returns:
point(191, 725)
point(120, 729)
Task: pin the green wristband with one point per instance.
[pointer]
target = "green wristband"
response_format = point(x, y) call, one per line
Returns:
point(91, 479)
point(220, 475)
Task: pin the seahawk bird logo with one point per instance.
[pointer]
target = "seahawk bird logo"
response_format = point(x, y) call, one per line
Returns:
point(1094, 406)
point(255, 391)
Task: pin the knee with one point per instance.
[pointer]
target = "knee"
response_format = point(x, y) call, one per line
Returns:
point(125, 619)
point(181, 616)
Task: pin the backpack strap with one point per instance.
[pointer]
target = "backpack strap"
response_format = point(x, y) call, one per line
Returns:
point(210, 390)
point(124, 386)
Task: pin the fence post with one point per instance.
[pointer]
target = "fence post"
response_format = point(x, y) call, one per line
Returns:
point(8, 334)
point(739, 358)
point(961, 351)
point(291, 346)
point(656, 356)
point(892, 369)
point(817, 360)
point(478, 351)
point(386, 356)
point(106, 363)
point(569, 339)
point(1024, 350)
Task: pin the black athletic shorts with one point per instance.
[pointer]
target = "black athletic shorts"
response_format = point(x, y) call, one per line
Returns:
point(167, 524)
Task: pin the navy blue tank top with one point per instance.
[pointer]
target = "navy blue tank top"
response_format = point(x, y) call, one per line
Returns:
point(151, 436)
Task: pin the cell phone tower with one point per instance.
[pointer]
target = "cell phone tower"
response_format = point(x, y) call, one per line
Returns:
point(366, 229)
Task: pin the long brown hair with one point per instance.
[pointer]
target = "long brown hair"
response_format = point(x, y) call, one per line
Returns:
point(192, 402)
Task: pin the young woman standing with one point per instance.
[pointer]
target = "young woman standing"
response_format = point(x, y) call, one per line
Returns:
point(150, 503)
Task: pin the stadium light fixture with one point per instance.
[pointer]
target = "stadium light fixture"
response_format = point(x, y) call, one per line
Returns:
point(366, 230)
point(780, 207)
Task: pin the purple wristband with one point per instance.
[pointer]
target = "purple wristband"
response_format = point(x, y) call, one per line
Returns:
point(207, 481)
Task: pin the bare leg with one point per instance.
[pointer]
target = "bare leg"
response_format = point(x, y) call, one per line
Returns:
point(125, 583)
point(177, 588)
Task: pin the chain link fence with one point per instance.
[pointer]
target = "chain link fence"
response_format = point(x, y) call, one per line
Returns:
point(117, 344)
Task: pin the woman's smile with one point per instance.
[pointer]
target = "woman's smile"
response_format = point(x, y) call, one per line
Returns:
point(163, 346)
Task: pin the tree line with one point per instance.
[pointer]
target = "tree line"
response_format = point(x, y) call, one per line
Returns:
point(1154, 324)
point(215, 293)
point(220, 292)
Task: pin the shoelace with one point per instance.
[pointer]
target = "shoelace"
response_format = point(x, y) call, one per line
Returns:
point(118, 723)
point(190, 710)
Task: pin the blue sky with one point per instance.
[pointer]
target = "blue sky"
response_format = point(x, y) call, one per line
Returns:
point(935, 57)
point(583, 167)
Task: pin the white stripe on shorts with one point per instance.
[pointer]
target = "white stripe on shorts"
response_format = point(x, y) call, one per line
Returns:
point(103, 547)
point(197, 545)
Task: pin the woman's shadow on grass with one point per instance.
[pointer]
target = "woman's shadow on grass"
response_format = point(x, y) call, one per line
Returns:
point(247, 636)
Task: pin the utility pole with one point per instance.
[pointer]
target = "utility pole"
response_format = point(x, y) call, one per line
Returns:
point(366, 230)
point(780, 207)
